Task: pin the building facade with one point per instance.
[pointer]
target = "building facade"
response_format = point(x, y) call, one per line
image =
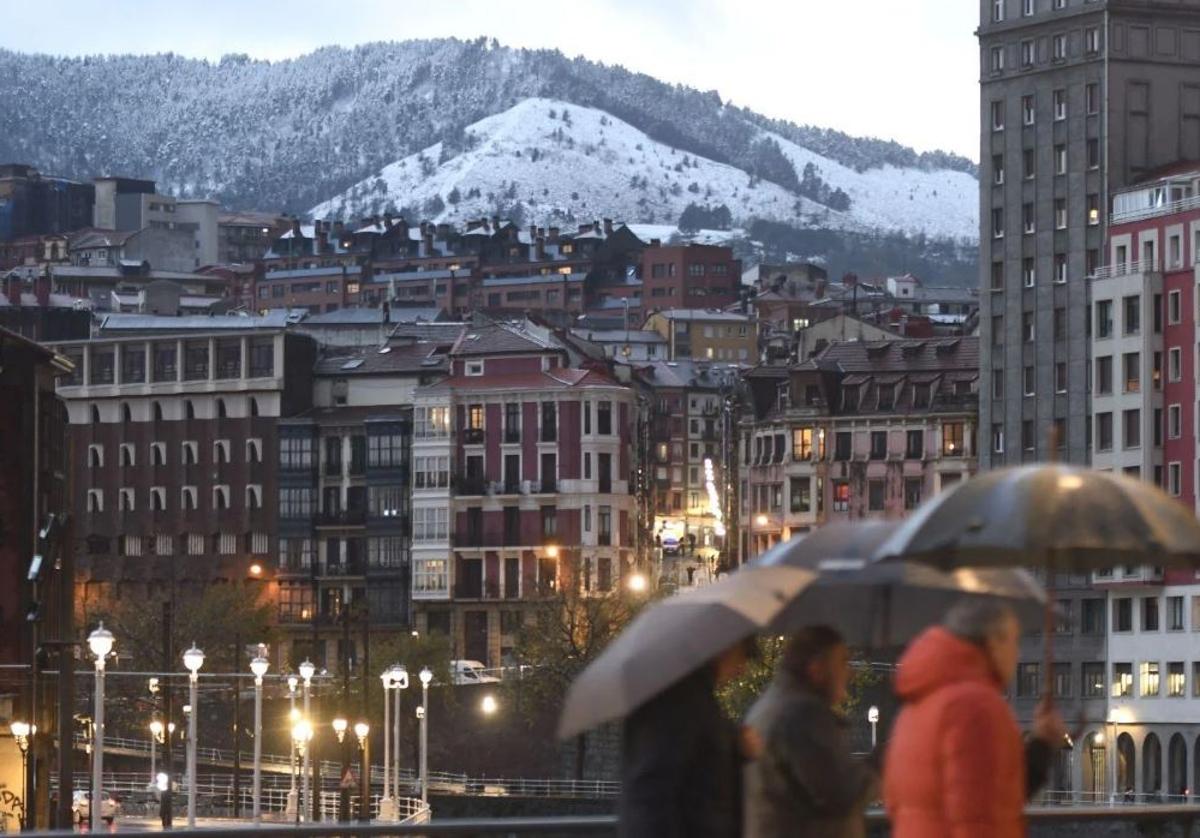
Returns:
point(1078, 99)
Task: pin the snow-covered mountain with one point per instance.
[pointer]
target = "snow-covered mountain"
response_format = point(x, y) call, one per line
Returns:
point(559, 162)
point(403, 123)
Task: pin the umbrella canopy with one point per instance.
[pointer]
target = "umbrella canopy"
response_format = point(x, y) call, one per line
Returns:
point(1064, 518)
point(881, 604)
point(674, 637)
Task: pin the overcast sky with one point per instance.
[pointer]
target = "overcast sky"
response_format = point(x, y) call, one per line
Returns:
point(898, 70)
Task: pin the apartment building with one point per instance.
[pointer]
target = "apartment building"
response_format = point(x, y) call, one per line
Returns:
point(706, 334)
point(520, 486)
point(174, 440)
point(863, 429)
point(689, 276)
point(1078, 99)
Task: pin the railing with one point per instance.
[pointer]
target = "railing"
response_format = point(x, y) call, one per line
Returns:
point(1153, 212)
point(342, 518)
point(472, 436)
point(1125, 269)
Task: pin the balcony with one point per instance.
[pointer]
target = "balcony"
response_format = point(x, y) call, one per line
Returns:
point(342, 518)
point(472, 436)
point(1125, 269)
point(340, 569)
point(512, 436)
point(333, 468)
point(470, 486)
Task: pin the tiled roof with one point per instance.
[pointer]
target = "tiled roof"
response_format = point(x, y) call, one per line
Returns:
point(703, 314)
point(274, 319)
point(889, 356)
point(400, 358)
point(368, 316)
point(501, 339)
point(446, 333)
point(559, 378)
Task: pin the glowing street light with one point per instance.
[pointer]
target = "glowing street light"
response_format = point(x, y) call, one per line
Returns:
point(426, 677)
point(302, 734)
point(340, 725)
point(157, 730)
point(100, 642)
point(637, 583)
point(193, 659)
point(488, 705)
point(386, 804)
point(399, 682)
point(307, 671)
point(20, 732)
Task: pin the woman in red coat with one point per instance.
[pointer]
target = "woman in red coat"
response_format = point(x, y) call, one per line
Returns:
point(955, 764)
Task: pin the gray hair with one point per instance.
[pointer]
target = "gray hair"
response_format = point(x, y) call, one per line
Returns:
point(974, 618)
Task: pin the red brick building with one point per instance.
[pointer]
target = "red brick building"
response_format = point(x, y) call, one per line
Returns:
point(689, 276)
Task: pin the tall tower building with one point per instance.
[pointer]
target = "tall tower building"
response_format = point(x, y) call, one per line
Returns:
point(1078, 98)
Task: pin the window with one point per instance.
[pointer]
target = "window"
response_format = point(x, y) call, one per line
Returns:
point(1093, 209)
point(125, 500)
point(1028, 327)
point(1060, 377)
point(1091, 619)
point(220, 497)
point(1060, 213)
point(1174, 422)
point(1028, 272)
point(1028, 7)
point(1093, 156)
point(1029, 380)
point(434, 472)
point(842, 446)
point(998, 11)
point(1060, 161)
point(952, 439)
point(1028, 54)
point(998, 223)
point(220, 451)
point(1122, 614)
point(998, 169)
point(158, 499)
point(1028, 680)
point(188, 498)
point(95, 500)
point(1133, 314)
point(1150, 620)
point(475, 417)
point(913, 487)
point(131, 545)
point(1060, 268)
point(295, 453)
point(876, 492)
point(841, 496)
point(1029, 226)
point(1176, 680)
point(95, 456)
point(1028, 109)
point(1104, 319)
point(431, 422)
point(998, 116)
point(1174, 364)
point(997, 384)
point(1060, 54)
point(297, 503)
point(474, 368)
point(189, 452)
point(1104, 431)
point(549, 522)
point(1092, 98)
point(1062, 680)
point(1028, 435)
point(1059, 99)
point(997, 438)
point(549, 422)
point(254, 496)
point(604, 414)
point(1174, 613)
point(431, 523)
point(800, 494)
point(1196, 679)
point(914, 447)
point(1029, 163)
point(1092, 673)
point(1132, 428)
point(1174, 479)
point(997, 59)
point(158, 453)
point(1091, 39)
point(1148, 678)
point(1131, 365)
point(878, 445)
point(997, 276)
point(1122, 680)
point(127, 454)
point(254, 451)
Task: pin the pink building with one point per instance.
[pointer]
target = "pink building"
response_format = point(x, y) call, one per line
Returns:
point(521, 469)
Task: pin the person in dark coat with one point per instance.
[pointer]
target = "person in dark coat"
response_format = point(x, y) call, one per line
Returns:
point(804, 781)
point(681, 763)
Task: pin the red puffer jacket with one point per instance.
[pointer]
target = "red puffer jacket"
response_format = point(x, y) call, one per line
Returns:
point(955, 765)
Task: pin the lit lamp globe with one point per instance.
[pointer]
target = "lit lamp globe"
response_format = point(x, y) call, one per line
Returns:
point(361, 729)
point(259, 666)
point(292, 682)
point(489, 705)
point(426, 676)
point(302, 732)
point(20, 730)
point(339, 727)
point(400, 677)
point(156, 729)
point(386, 678)
point(100, 642)
point(307, 670)
point(193, 659)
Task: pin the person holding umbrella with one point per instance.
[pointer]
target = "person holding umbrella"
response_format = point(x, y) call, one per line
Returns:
point(804, 782)
point(955, 763)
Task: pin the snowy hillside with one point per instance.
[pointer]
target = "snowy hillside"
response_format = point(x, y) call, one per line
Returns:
point(559, 162)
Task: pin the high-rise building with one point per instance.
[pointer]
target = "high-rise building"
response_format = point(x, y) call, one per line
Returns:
point(1077, 98)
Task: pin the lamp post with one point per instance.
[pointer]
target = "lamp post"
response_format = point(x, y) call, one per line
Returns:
point(340, 726)
point(426, 677)
point(258, 666)
point(20, 732)
point(399, 682)
point(307, 670)
point(362, 730)
point(386, 804)
point(293, 802)
point(873, 718)
point(100, 642)
point(302, 732)
point(193, 659)
point(156, 735)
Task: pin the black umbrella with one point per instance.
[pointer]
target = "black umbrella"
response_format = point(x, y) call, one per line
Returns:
point(880, 604)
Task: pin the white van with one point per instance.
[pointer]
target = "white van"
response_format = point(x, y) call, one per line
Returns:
point(470, 672)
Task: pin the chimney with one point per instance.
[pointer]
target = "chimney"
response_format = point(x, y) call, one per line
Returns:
point(495, 223)
point(41, 287)
point(296, 228)
point(532, 233)
point(539, 249)
point(338, 228)
point(401, 226)
point(608, 227)
point(656, 242)
point(321, 240)
point(427, 242)
point(387, 220)
point(554, 235)
point(14, 289)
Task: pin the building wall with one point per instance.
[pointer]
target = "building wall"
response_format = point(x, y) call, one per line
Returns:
point(690, 276)
point(203, 215)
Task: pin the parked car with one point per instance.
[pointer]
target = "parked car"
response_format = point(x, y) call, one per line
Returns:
point(470, 672)
point(81, 807)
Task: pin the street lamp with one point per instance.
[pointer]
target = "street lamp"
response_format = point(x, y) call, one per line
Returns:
point(426, 677)
point(156, 736)
point(302, 733)
point(293, 717)
point(488, 705)
point(340, 726)
point(193, 659)
point(100, 642)
point(258, 666)
point(307, 670)
point(399, 682)
point(637, 583)
point(20, 732)
point(386, 804)
point(873, 718)
point(362, 730)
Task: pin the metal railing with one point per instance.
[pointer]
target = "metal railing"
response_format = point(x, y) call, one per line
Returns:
point(1152, 212)
point(1125, 269)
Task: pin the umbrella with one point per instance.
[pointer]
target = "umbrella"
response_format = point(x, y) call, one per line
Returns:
point(1065, 518)
point(880, 604)
point(674, 637)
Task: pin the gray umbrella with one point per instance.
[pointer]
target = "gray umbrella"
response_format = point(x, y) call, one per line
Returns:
point(881, 604)
point(673, 638)
point(1063, 518)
